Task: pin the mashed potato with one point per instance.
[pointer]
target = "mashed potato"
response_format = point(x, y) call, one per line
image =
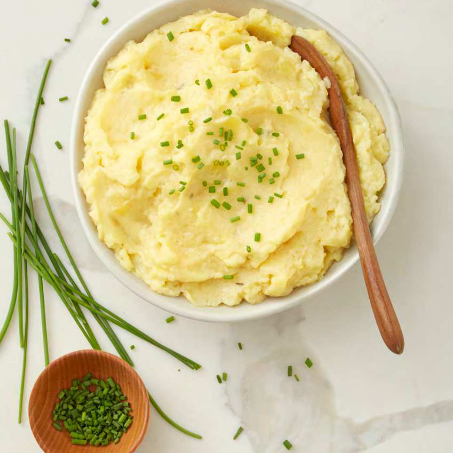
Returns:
point(210, 166)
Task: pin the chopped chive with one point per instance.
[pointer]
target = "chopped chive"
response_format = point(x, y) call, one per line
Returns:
point(257, 197)
point(259, 131)
point(170, 319)
point(182, 188)
point(270, 160)
point(208, 84)
point(247, 47)
point(160, 116)
point(279, 110)
point(271, 200)
point(215, 203)
point(240, 344)
point(219, 379)
point(276, 134)
point(224, 377)
point(217, 182)
point(95, 3)
point(170, 36)
point(235, 219)
point(168, 162)
point(105, 20)
point(249, 249)
point(216, 142)
point(275, 151)
point(241, 199)
point(246, 168)
point(249, 208)
point(180, 144)
point(238, 433)
point(172, 191)
point(276, 174)
point(205, 183)
point(260, 167)
point(243, 143)
point(200, 166)
point(244, 120)
point(225, 191)
point(64, 98)
point(290, 370)
point(226, 205)
point(183, 183)
point(271, 181)
point(230, 135)
point(233, 92)
point(185, 110)
point(260, 156)
point(67, 40)
point(209, 133)
point(142, 116)
point(228, 112)
point(238, 155)
point(164, 144)
point(257, 237)
point(197, 82)
point(196, 159)
point(278, 195)
point(175, 167)
point(207, 120)
point(175, 98)
point(296, 377)
point(58, 145)
point(132, 135)
point(211, 189)
point(288, 444)
point(222, 147)
point(228, 277)
point(300, 156)
point(241, 184)
point(308, 362)
point(239, 147)
point(190, 122)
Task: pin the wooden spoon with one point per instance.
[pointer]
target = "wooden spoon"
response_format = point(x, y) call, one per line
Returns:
point(381, 304)
point(60, 374)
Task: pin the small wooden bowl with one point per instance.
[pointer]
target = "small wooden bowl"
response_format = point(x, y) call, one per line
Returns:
point(60, 374)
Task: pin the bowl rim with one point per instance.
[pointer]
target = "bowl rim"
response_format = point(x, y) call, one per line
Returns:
point(235, 314)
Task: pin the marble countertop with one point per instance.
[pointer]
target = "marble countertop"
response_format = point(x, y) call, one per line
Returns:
point(357, 396)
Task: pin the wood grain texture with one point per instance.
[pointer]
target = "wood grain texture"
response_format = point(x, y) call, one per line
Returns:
point(60, 374)
point(381, 304)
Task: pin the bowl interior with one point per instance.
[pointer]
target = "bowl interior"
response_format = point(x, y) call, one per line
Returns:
point(60, 374)
point(372, 86)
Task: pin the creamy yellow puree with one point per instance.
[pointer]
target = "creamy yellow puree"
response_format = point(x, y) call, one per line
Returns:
point(158, 217)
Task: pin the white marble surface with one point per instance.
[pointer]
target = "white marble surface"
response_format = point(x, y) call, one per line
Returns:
point(357, 397)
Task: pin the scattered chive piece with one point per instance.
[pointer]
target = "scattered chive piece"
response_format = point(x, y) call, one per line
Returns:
point(217, 182)
point(270, 160)
point(271, 181)
point(160, 116)
point(182, 188)
point(260, 156)
point(175, 167)
point(221, 131)
point(132, 135)
point(215, 203)
point(230, 135)
point(175, 98)
point(209, 133)
point(288, 444)
point(170, 319)
point(261, 177)
point(105, 20)
point(241, 199)
point(219, 379)
point(245, 120)
point(240, 344)
point(278, 195)
point(228, 112)
point(190, 122)
point(300, 156)
point(243, 143)
point(185, 110)
point(142, 116)
point(225, 191)
point(164, 144)
point(296, 377)
point(222, 147)
point(207, 120)
point(224, 377)
point(233, 92)
point(205, 183)
point(290, 370)
point(183, 183)
point(64, 98)
point(67, 40)
point(216, 142)
point(95, 3)
point(276, 134)
point(239, 147)
point(196, 159)
point(308, 362)
point(276, 174)
point(200, 166)
point(257, 237)
point(241, 184)
point(238, 433)
point(170, 36)
point(172, 191)
point(226, 205)
point(197, 82)
point(228, 277)
point(208, 84)
point(168, 162)
point(238, 155)
point(249, 208)
point(259, 131)
point(275, 151)
point(279, 110)
point(58, 145)
point(56, 425)
point(271, 200)
point(235, 219)
point(180, 144)
point(249, 249)
point(211, 189)
point(247, 47)
point(132, 346)
point(257, 197)
point(260, 167)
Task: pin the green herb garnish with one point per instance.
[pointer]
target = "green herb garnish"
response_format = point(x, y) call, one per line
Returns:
point(238, 433)
point(170, 36)
point(170, 319)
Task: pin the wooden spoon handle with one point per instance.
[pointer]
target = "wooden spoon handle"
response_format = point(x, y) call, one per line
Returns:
point(381, 304)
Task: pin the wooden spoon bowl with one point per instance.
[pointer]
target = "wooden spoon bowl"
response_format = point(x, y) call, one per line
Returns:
point(60, 374)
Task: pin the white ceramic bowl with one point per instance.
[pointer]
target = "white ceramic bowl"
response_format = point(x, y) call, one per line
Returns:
point(372, 86)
